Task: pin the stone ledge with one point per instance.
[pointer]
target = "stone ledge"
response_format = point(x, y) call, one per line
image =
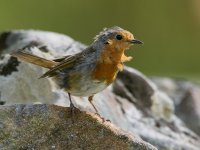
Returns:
point(45, 126)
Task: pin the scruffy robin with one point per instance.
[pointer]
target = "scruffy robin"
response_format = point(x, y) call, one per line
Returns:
point(92, 70)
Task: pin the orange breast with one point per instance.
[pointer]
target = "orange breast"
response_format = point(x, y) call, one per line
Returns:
point(105, 72)
point(108, 65)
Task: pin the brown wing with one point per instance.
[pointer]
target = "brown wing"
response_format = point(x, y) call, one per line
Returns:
point(66, 62)
point(69, 61)
point(62, 58)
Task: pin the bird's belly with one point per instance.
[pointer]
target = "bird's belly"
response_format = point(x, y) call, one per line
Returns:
point(79, 82)
point(87, 80)
point(87, 88)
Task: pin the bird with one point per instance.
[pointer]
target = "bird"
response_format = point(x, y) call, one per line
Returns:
point(90, 71)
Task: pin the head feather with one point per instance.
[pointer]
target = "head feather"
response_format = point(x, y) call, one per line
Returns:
point(106, 32)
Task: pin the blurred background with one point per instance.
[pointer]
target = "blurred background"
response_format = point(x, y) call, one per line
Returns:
point(170, 29)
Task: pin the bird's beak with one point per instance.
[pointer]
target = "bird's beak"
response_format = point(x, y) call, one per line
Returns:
point(136, 41)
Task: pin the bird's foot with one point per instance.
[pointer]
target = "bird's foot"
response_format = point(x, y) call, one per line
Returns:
point(73, 110)
point(102, 118)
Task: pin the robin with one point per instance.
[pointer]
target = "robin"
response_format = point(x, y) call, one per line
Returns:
point(90, 71)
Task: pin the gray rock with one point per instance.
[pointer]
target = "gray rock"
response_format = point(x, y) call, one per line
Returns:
point(189, 109)
point(186, 96)
point(52, 127)
point(133, 103)
point(156, 121)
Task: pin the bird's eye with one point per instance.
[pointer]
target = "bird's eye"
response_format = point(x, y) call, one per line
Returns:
point(118, 37)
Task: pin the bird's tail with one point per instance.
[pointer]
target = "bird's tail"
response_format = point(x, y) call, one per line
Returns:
point(30, 58)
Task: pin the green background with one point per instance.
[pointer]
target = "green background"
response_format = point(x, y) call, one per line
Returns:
point(170, 29)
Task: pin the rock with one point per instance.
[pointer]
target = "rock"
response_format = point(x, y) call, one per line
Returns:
point(52, 127)
point(155, 120)
point(133, 103)
point(189, 109)
point(144, 93)
point(186, 96)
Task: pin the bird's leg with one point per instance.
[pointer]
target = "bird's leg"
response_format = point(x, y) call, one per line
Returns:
point(90, 100)
point(96, 111)
point(70, 99)
point(72, 107)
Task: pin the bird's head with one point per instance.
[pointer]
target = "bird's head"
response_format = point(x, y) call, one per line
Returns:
point(116, 39)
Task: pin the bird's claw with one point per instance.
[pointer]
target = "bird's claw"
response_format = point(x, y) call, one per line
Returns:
point(102, 118)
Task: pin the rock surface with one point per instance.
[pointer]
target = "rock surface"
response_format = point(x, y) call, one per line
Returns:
point(134, 102)
point(44, 126)
point(186, 96)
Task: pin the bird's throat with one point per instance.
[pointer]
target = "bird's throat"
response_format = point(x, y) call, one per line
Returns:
point(108, 65)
